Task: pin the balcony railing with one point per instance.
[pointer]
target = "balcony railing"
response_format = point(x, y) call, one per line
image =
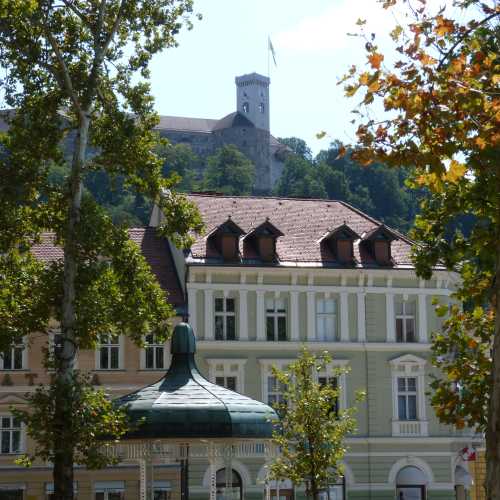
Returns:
point(410, 428)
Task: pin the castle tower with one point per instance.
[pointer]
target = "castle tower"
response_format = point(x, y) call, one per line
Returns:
point(252, 98)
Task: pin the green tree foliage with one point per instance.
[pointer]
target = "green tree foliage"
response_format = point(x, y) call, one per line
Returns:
point(312, 429)
point(297, 146)
point(379, 191)
point(89, 413)
point(299, 179)
point(183, 161)
point(442, 96)
point(229, 171)
point(70, 72)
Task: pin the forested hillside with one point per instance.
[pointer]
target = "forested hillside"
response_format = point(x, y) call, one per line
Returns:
point(377, 190)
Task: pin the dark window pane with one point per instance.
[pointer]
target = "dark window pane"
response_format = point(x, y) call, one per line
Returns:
point(99, 496)
point(401, 384)
point(219, 305)
point(281, 328)
point(16, 441)
point(5, 438)
point(270, 328)
point(231, 328)
point(115, 496)
point(231, 383)
point(104, 358)
point(399, 330)
point(230, 305)
point(18, 358)
point(219, 381)
point(149, 357)
point(412, 384)
point(5, 422)
point(219, 328)
point(412, 407)
point(7, 359)
point(410, 330)
point(402, 408)
point(115, 362)
point(159, 357)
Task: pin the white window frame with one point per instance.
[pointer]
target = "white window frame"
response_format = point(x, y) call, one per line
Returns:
point(228, 367)
point(409, 366)
point(154, 346)
point(334, 336)
point(405, 302)
point(266, 366)
point(328, 372)
point(109, 345)
point(225, 314)
point(275, 314)
point(24, 356)
point(12, 429)
point(407, 393)
point(107, 487)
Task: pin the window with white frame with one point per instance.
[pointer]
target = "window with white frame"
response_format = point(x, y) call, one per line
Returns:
point(154, 353)
point(405, 320)
point(330, 375)
point(10, 434)
point(14, 358)
point(407, 398)
point(276, 319)
point(228, 373)
point(326, 319)
point(273, 392)
point(408, 394)
point(109, 490)
point(109, 352)
point(225, 318)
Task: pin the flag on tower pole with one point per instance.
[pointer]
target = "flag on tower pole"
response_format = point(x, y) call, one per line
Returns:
point(271, 49)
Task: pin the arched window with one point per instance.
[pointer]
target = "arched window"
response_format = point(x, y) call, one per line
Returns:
point(262, 108)
point(246, 107)
point(463, 482)
point(235, 486)
point(410, 484)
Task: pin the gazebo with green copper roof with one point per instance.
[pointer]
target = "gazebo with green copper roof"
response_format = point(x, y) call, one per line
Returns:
point(184, 415)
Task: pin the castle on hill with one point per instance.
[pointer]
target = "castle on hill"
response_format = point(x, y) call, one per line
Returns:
point(247, 128)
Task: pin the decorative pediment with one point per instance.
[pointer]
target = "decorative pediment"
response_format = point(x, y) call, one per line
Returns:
point(408, 363)
point(10, 398)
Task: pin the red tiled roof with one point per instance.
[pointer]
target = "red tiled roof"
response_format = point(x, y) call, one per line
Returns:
point(302, 221)
point(155, 250)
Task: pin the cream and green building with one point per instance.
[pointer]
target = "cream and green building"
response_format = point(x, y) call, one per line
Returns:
point(269, 276)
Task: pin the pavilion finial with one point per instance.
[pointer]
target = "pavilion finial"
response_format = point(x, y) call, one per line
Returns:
point(183, 340)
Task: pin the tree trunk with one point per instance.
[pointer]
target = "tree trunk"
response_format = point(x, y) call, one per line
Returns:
point(63, 448)
point(493, 431)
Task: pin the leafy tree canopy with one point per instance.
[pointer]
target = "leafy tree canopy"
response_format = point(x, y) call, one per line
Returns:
point(443, 113)
point(312, 428)
point(80, 116)
point(229, 171)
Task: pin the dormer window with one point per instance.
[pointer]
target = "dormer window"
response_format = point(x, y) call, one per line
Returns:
point(378, 242)
point(226, 240)
point(340, 241)
point(264, 239)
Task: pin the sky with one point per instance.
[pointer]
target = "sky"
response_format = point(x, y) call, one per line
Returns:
point(313, 51)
